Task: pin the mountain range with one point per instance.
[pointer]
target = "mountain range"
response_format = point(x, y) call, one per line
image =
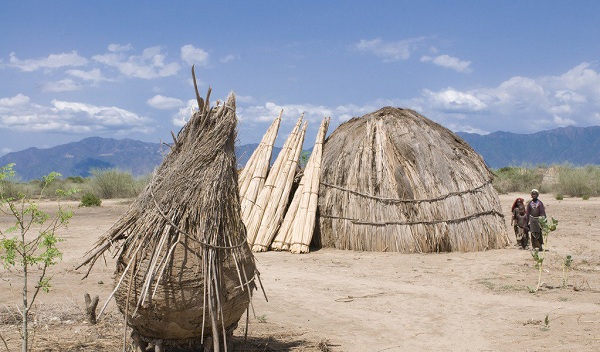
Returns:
point(573, 145)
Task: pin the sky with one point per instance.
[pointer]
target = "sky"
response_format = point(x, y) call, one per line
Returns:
point(122, 69)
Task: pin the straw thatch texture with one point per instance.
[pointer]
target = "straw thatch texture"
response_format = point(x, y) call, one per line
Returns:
point(298, 225)
point(253, 175)
point(267, 213)
point(395, 181)
point(184, 268)
point(254, 212)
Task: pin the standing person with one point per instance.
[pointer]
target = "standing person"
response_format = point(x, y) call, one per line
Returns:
point(535, 209)
point(519, 222)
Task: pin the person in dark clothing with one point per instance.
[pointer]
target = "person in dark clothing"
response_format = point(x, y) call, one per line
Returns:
point(535, 208)
point(519, 223)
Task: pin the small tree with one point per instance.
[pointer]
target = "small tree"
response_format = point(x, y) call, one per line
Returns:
point(547, 226)
point(33, 247)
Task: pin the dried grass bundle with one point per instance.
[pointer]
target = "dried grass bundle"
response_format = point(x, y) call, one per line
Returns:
point(253, 175)
point(298, 225)
point(184, 268)
point(267, 213)
point(394, 180)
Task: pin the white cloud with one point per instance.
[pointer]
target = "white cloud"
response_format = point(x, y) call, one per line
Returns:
point(244, 99)
point(12, 102)
point(70, 117)
point(5, 151)
point(53, 61)
point(64, 85)
point(150, 64)
point(93, 75)
point(291, 112)
point(194, 56)
point(164, 103)
point(183, 115)
point(389, 51)
point(449, 62)
point(562, 122)
point(519, 104)
point(228, 58)
point(119, 47)
point(451, 100)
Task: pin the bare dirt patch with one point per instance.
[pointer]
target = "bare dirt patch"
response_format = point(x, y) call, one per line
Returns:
point(332, 300)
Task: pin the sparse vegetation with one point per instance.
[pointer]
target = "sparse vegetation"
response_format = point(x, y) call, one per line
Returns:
point(517, 179)
point(33, 247)
point(90, 200)
point(113, 183)
point(569, 180)
point(579, 181)
point(539, 256)
point(566, 266)
point(303, 160)
point(261, 318)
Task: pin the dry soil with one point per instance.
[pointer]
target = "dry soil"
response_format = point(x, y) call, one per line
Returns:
point(331, 300)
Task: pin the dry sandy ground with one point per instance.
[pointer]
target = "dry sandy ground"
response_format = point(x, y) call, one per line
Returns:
point(332, 300)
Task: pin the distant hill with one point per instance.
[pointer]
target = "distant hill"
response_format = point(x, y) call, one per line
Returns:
point(78, 158)
point(575, 145)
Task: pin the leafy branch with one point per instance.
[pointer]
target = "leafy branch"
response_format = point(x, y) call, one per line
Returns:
point(539, 256)
point(31, 242)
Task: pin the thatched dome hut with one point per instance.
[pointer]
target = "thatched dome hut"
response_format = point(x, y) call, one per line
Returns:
point(394, 180)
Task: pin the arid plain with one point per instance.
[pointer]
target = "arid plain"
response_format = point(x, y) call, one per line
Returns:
point(331, 300)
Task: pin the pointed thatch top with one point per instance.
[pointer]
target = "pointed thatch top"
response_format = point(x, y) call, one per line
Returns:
point(184, 268)
point(395, 180)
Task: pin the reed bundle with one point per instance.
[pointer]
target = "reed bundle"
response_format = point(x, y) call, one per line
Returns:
point(253, 175)
point(267, 213)
point(298, 225)
point(184, 268)
point(394, 180)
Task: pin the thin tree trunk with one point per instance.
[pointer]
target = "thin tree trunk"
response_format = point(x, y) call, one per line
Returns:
point(25, 307)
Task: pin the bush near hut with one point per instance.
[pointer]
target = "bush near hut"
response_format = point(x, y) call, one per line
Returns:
point(579, 181)
point(90, 200)
point(517, 179)
point(574, 181)
point(113, 183)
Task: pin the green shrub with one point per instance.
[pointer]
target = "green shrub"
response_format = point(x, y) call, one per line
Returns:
point(585, 197)
point(141, 182)
point(113, 183)
point(579, 181)
point(75, 179)
point(90, 200)
point(517, 179)
point(559, 197)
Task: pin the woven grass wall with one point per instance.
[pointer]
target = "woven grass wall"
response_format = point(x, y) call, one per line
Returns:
point(394, 180)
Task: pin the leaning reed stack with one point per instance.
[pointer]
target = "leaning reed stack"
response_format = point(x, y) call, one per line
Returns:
point(298, 225)
point(184, 268)
point(255, 212)
point(394, 180)
point(254, 174)
point(274, 211)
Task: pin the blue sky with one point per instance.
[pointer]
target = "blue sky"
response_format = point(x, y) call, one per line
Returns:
point(121, 69)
